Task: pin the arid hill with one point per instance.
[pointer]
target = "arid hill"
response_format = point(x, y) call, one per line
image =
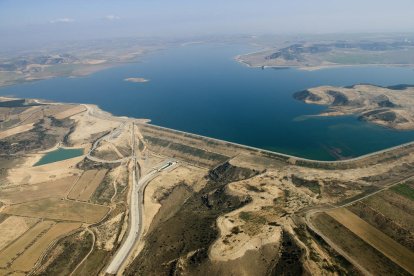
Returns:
point(386, 106)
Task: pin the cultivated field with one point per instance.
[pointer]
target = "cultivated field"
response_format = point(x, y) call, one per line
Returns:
point(12, 227)
point(19, 194)
point(14, 250)
point(59, 209)
point(381, 225)
point(91, 187)
point(377, 239)
point(391, 213)
point(87, 184)
point(365, 255)
point(394, 207)
point(15, 130)
point(28, 259)
point(405, 189)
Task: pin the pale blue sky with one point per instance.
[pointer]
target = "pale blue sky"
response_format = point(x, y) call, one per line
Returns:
point(81, 19)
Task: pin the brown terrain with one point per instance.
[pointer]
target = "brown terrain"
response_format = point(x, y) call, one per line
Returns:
point(71, 59)
point(221, 209)
point(310, 55)
point(391, 107)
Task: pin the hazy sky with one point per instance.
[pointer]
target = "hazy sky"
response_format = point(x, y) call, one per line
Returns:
point(40, 20)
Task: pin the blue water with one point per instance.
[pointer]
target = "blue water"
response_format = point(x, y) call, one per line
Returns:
point(201, 89)
point(59, 155)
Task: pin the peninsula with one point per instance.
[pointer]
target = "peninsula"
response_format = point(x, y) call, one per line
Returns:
point(391, 107)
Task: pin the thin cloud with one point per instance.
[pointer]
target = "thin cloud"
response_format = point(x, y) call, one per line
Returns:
point(62, 20)
point(112, 17)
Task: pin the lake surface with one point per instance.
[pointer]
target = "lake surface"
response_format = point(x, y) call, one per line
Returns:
point(59, 155)
point(201, 89)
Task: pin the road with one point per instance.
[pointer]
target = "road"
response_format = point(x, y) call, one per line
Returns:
point(136, 201)
point(114, 133)
point(135, 225)
point(135, 214)
point(89, 253)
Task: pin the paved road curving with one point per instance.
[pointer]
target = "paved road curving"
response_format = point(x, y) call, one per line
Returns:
point(115, 132)
point(135, 215)
point(95, 159)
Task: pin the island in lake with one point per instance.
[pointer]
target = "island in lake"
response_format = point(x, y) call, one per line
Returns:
point(136, 80)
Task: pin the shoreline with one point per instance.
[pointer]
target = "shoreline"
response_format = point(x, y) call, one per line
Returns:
point(83, 73)
point(87, 70)
point(96, 111)
point(240, 60)
point(288, 155)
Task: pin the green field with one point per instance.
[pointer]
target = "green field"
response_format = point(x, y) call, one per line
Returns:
point(404, 190)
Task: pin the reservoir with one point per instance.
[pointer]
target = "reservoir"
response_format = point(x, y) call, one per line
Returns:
point(201, 89)
point(59, 155)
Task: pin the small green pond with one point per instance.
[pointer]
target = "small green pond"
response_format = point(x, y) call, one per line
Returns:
point(59, 155)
